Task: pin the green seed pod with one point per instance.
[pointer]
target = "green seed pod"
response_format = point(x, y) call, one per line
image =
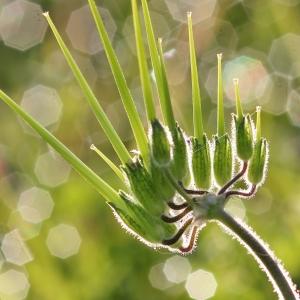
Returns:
point(161, 184)
point(143, 188)
point(180, 167)
point(258, 162)
point(160, 146)
point(222, 159)
point(244, 137)
point(124, 218)
point(155, 228)
point(201, 162)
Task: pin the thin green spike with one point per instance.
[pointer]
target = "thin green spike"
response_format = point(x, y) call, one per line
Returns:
point(143, 67)
point(156, 64)
point(258, 123)
point(90, 176)
point(129, 105)
point(239, 109)
point(197, 110)
point(106, 125)
point(166, 105)
point(221, 123)
point(108, 162)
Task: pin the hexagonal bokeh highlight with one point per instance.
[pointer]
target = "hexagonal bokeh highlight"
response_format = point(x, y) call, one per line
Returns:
point(293, 107)
point(284, 54)
point(157, 277)
point(22, 24)
point(274, 99)
point(13, 285)
point(43, 104)
point(176, 61)
point(201, 10)
point(63, 241)
point(35, 205)
point(82, 31)
point(14, 248)
point(225, 36)
point(253, 78)
point(201, 285)
point(177, 268)
point(27, 230)
point(51, 169)
point(160, 26)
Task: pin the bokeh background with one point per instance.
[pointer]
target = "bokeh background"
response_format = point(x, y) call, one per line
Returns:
point(59, 239)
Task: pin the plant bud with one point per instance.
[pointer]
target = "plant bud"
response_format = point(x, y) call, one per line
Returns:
point(154, 227)
point(180, 167)
point(258, 162)
point(127, 221)
point(143, 188)
point(201, 162)
point(161, 184)
point(244, 137)
point(222, 159)
point(160, 147)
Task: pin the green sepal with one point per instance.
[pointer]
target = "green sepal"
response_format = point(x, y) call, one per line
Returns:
point(222, 159)
point(201, 162)
point(160, 144)
point(156, 230)
point(258, 162)
point(244, 137)
point(143, 187)
point(126, 219)
point(180, 166)
point(162, 185)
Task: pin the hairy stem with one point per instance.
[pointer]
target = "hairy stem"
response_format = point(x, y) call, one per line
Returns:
point(278, 276)
point(234, 179)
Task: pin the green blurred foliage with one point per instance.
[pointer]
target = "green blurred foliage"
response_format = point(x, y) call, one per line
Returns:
point(111, 264)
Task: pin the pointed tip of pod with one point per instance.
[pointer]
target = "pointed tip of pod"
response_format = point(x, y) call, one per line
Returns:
point(258, 122)
point(46, 14)
point(235, 81)
point(189, 14)
point(239, 109)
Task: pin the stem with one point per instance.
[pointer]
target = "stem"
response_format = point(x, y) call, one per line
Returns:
point(108, 162)
point(157, 64)
point(166, 105)
point(177, 186)
point(142, 61)
point(220, 117)
point(234, 179)
point(197, 110)
point(277, 274)
point(239, 109)
point(258, 123)
point(126, 97)
point(89, 175)
point(97, 109)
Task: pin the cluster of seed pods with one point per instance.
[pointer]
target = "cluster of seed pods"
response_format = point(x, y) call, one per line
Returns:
point(167, 200)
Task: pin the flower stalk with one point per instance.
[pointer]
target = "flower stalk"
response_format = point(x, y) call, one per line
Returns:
point(278, 276)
